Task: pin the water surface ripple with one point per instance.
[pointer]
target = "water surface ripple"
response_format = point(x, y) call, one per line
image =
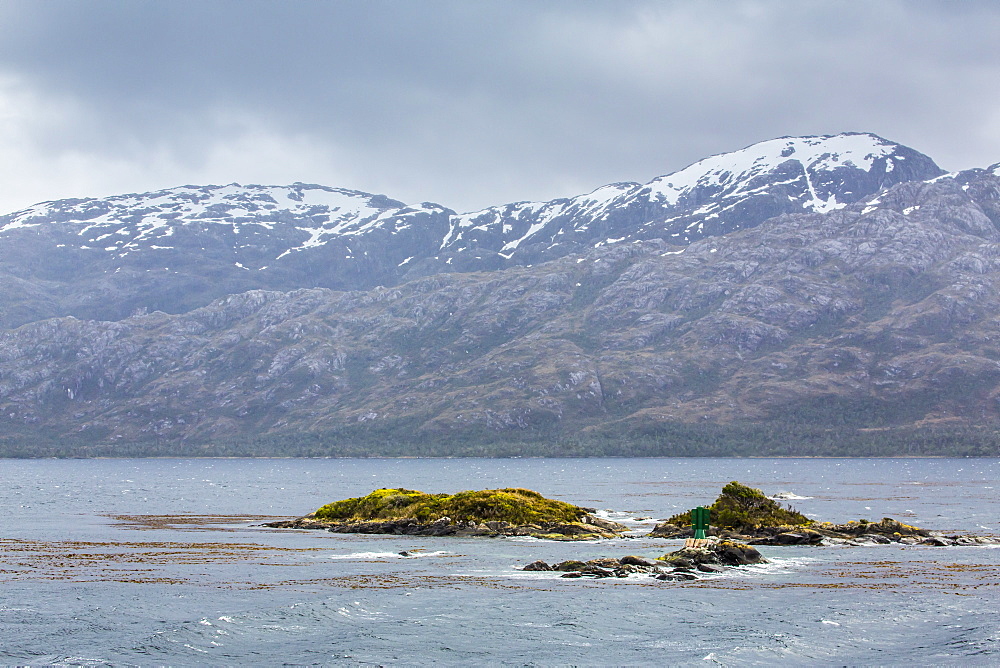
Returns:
point(155, 561)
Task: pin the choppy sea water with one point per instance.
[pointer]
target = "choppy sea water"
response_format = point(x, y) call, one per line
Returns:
point(161, 561)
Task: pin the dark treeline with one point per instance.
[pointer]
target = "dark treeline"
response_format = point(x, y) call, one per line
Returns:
point(402, 439)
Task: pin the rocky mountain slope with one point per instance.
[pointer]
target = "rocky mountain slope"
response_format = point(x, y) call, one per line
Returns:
point(179, 249)
point(838, 317)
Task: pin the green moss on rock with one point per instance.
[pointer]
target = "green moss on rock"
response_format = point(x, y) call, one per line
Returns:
point(742, 508)
point(513, 505)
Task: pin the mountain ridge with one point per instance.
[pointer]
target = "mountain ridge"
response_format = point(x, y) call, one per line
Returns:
point(869, 327)
point(106, 258)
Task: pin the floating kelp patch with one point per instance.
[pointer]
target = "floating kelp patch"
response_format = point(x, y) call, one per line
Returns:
point(187, 522)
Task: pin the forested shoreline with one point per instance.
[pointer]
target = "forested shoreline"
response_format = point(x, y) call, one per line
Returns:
point(771, 439)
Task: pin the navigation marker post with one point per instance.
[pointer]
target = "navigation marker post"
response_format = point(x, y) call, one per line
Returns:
point(699, 527)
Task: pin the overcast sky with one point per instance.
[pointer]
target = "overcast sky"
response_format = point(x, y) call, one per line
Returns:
point(470, 103)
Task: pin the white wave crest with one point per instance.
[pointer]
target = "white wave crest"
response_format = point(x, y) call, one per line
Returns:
point(789, 496)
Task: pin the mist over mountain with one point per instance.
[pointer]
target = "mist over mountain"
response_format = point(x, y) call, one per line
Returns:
point(801, 296)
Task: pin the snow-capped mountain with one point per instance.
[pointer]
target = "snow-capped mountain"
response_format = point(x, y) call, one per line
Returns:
point(177, 249)
point(714, 196)
point(816, 296)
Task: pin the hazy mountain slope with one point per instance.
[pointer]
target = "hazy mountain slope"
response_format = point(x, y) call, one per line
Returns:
point(880, 313)
point(178, 249)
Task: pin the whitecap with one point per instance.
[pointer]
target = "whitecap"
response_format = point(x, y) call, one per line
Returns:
point(789, 496)
point(624, 517)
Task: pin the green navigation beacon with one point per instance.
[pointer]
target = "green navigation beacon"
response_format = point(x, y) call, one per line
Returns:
point(699, 522)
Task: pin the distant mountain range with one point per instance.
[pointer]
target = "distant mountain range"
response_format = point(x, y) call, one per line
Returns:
point(838, 288)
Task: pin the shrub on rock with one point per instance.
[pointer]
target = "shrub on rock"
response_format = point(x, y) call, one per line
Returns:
point(742, 509)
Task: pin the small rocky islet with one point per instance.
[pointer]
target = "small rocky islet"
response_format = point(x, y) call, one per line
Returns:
point(490, 513)
point(746, 514)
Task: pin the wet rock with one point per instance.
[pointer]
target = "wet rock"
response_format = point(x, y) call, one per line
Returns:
point(537, 566)
point(668, 530)
point(725, 553)
point(570, 565)
point(676, 576)
point(737, 554)
point(892, 529)
point(790, 538)
point(633, 560)
point(711, 568)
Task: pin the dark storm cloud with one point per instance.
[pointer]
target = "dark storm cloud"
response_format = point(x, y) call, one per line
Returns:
point(476, 103)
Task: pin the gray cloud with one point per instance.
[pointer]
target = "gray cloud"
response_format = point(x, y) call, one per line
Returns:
point(471, 104)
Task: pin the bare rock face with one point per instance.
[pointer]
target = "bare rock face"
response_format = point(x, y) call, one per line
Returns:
point(874, 309)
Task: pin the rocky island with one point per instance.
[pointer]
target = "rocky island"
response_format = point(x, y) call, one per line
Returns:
point(490, 512)
point(745, 513)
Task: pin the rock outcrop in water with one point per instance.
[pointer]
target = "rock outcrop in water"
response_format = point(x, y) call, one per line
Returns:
point(491, 512)
point(713, 556)
point(739, 510)
point(746, 513)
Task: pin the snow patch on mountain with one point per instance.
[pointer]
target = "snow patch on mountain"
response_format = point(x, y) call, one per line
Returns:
point(233, 205)
point(259, 224)
point(739, 173)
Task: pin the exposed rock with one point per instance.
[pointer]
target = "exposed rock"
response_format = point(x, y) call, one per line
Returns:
point(570, 565)
point(669, 530)
point(886, 527)
point(633, 560)
point(804, 537)
point(538, 566)
point(684, 564)
point(716, 552)
point(711, 568)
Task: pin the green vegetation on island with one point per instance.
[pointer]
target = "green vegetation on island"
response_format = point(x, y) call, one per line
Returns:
point(490, 512)
point(745, 513)
point(741, 508)
point(513, 505)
